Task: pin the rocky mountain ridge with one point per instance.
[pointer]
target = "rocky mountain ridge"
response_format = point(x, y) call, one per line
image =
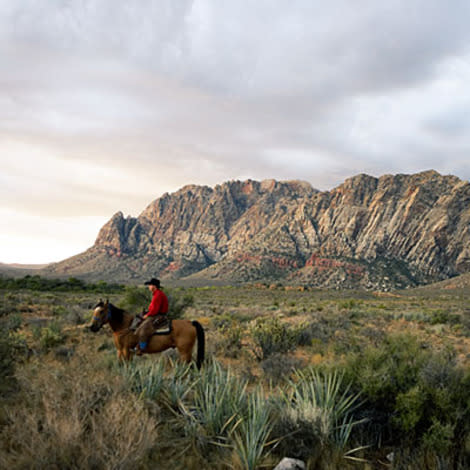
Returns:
point(392, 231)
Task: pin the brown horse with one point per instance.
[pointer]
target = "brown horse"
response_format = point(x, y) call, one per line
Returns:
point(182, 336)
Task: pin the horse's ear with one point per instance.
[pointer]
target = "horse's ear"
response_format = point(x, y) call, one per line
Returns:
point(107, 301)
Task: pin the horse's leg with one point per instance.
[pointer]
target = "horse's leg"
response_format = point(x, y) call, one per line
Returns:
point(127, 354)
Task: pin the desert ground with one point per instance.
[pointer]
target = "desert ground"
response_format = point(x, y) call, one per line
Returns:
point(338, 379)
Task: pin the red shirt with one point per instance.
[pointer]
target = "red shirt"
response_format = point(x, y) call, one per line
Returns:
point(159, 304)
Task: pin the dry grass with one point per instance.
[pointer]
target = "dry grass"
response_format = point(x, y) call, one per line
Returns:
point(72, 416)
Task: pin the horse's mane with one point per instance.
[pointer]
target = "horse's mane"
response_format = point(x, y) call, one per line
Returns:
point(117, 313)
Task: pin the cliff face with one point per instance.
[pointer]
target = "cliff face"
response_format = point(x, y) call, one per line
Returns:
point(377, 232)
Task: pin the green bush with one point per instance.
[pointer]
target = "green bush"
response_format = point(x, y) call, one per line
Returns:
point(442, 317)
point(7, 359)
point(415, 398)
point(231, 342)
point(51, 336)
point(278, 367)
point(136, 299)
point(271, 336)
point(178, 302)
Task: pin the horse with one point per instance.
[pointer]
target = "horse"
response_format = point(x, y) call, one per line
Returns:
point(182, 336)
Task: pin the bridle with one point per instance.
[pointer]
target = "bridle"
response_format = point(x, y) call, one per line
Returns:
point(100, 321)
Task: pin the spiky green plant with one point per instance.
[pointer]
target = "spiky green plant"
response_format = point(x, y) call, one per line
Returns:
point(218, 402)
point(250, 438)
point(145, 378)
point(319, 404)
point(179, 382)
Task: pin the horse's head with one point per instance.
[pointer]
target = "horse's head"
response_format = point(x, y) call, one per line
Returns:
point(101, 314)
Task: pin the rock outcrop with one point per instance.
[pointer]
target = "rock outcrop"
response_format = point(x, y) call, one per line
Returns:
point(392, 231)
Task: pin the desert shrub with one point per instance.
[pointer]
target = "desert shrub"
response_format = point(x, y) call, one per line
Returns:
point(231, 339)
point(178, 301)
point(272, 336)
point(51, 336)
point(8, 356)
point(136, 299)
point(38, 283)
point(442, 317)
point(278, 367)
point(312, 332)
point(414, 397)
point(12, 322)
point(76, 421)
point(348, 304)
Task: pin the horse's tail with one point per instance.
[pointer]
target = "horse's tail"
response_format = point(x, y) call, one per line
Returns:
point(200, 343)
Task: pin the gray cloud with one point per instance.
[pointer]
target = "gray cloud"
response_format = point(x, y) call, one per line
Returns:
point(104, 105)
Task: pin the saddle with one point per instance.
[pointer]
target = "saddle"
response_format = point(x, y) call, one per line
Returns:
point(162, 325)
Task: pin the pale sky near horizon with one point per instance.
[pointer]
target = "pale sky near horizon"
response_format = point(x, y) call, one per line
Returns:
point(106, 105)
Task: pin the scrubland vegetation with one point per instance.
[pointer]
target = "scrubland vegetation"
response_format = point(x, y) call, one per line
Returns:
point(338, 379)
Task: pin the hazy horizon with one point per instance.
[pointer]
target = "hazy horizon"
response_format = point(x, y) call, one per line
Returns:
point(105, 106)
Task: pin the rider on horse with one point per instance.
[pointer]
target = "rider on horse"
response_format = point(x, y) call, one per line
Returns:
point(154, 317)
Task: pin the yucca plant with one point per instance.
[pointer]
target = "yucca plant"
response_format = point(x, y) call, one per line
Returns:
point(218, 402)
point(318, 406)
point(250, 437)
point(179, 382)
point(146, 379)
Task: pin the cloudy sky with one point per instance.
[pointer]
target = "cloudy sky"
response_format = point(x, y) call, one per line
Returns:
point(105, 105)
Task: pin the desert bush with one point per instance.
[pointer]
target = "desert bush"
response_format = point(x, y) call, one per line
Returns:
point(310, 332)
point(8, 356)
point(231, 339)
point(443, 317)
point(178, 301)
point(272, 336)
point(278, 367)
point(38, 283)
point(76, 421)
point(415, 397)
point(51, 336)
point(136, 299)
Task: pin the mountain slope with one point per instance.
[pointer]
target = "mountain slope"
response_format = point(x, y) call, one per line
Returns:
point(377, 232)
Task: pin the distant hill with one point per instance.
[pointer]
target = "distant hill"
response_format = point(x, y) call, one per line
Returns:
point(17, 270)
point(379, 233)
point(458, 283)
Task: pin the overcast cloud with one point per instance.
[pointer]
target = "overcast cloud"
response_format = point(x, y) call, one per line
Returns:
point(106, 105)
